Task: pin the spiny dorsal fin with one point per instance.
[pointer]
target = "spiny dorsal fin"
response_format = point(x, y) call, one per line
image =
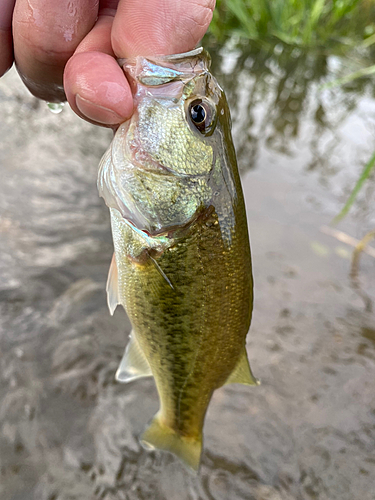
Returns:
point(113, 298)
point(134, 363)
point(242, 372)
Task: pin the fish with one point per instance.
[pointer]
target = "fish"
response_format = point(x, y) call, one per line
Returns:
point(181, 266)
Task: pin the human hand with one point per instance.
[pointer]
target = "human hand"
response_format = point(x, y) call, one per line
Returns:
point(67, 49)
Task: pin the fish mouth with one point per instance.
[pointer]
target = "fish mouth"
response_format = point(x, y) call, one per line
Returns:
point(169, 58)
point(154, 71)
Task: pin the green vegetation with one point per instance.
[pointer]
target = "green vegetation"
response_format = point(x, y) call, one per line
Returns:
point(363, 177)
point(318, 29)
point(307, 23)
point(369, 70)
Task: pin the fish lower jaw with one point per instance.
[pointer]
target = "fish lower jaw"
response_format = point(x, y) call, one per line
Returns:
point(144, 163)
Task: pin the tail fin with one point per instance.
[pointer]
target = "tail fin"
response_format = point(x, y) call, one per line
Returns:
point(160, 436)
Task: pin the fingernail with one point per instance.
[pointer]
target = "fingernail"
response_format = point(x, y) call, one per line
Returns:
point(97, 113)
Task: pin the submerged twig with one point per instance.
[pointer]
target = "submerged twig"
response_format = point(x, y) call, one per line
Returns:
point(354, 272)
point(349, 240)
point(360, 246)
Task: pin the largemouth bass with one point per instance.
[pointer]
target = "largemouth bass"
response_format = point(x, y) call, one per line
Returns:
point(181, 266)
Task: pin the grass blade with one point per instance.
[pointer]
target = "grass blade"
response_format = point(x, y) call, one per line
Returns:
point(365, 174)
point(368, 41)
point(349, 78)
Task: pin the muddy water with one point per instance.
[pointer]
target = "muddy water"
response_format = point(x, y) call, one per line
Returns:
point(67, 430)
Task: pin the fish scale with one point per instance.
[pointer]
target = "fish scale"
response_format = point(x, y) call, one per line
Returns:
point(179, 319)
point(185, 283)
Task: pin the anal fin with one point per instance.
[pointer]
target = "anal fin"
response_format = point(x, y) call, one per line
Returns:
point(113, 298)
point(134, 363)
point(242, 372)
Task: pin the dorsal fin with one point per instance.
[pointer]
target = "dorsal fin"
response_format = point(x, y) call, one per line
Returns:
point(134, 363)
point(242, 372)
point(113, 298)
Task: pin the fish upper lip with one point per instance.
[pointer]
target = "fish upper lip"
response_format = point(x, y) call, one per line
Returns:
point(172, 58)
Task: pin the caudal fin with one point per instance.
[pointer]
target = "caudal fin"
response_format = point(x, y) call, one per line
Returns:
point(160, 436)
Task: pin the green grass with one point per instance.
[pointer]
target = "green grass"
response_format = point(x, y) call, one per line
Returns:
point(363, 177)
point(325, 25)
point(369, 70)
point(306, 23)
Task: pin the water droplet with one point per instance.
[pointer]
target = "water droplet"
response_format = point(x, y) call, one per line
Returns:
point(55, 107)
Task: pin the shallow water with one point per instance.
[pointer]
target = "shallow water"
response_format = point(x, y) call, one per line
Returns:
point(67, 430)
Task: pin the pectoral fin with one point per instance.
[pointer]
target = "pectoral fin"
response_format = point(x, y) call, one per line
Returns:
point(113, 298)
point(134, 363)
point(242, 372)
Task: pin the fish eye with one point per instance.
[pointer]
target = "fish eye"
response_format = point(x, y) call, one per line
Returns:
point(202, 115)
point(198, 114)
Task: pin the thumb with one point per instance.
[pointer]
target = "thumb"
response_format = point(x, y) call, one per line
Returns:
point(155, 27)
